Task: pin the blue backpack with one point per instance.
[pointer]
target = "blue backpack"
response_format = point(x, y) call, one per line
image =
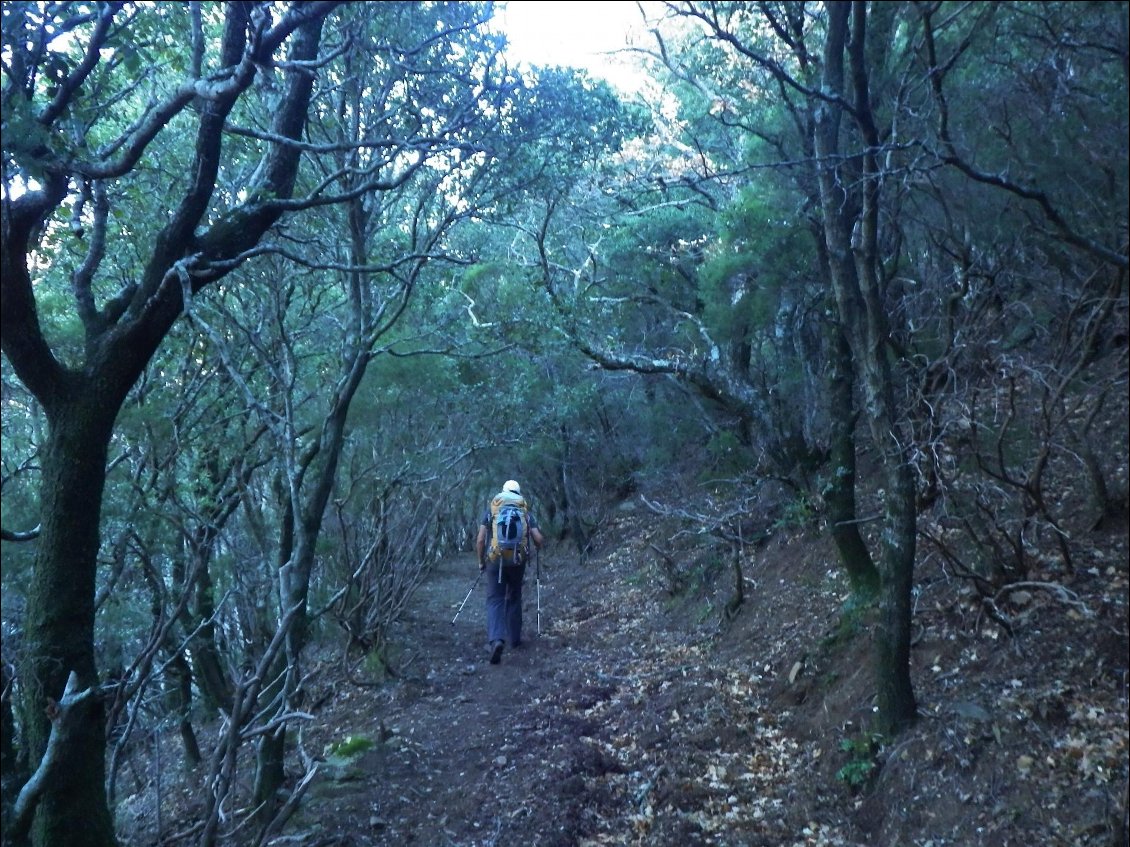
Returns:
point(509, 528)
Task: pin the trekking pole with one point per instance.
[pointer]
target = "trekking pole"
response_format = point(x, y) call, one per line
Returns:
point(537, 555)
point(468, 597)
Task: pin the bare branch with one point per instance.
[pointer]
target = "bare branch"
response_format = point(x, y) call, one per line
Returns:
point(67, 715)
point(17, 535)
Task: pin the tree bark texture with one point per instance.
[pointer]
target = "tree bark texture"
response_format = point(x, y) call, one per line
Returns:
point(60, 632)
point(839, 494)
point(850, 224)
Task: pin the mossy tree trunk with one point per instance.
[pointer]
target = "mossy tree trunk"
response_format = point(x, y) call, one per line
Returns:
point(60, 632)
point(850, 196)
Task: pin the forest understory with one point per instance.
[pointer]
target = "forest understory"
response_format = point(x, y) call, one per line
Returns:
point(638, 715)
point(834, 307)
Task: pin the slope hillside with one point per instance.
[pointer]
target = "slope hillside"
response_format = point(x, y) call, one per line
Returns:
point(640, 715)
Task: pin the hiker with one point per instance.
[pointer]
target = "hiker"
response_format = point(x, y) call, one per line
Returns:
point(504, 560)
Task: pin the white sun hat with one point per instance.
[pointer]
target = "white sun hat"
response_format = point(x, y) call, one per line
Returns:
point(512, 485)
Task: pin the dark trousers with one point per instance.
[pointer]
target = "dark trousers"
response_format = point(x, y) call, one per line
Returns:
point(504, 603)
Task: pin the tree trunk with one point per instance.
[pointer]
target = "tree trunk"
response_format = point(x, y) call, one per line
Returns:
point(180, 696)
point(839, 494)
point(270, 774)
point(72, 809)
point(850, 226)
point(310, 481)
point(13, 768)
point(207, 665)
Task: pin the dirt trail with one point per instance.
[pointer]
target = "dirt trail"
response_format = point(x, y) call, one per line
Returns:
point(471, 752)
point(613, 726)
point(637, 719)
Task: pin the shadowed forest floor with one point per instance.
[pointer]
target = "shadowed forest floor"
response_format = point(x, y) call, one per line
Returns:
point(638, 716)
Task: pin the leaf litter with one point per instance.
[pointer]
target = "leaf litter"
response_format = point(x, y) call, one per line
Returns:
point(641, 717)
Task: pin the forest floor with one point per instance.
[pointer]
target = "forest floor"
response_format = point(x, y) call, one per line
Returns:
point(639, 715)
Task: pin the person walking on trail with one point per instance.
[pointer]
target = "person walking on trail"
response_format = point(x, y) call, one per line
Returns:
point(503, 546)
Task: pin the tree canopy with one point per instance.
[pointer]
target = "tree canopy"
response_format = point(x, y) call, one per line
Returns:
point(289, 288)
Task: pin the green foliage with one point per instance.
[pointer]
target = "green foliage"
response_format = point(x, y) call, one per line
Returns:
point(796, 513)
point(350, 746)
point(574, 120)
point(752, 273)
point(343, 758)
point(862, 765)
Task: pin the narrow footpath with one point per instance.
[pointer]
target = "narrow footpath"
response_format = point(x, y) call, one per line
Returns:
point(613, 725)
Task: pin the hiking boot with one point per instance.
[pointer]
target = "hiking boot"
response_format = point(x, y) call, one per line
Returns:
point(496, 652)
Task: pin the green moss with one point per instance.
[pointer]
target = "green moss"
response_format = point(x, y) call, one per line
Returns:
point(350, 746)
